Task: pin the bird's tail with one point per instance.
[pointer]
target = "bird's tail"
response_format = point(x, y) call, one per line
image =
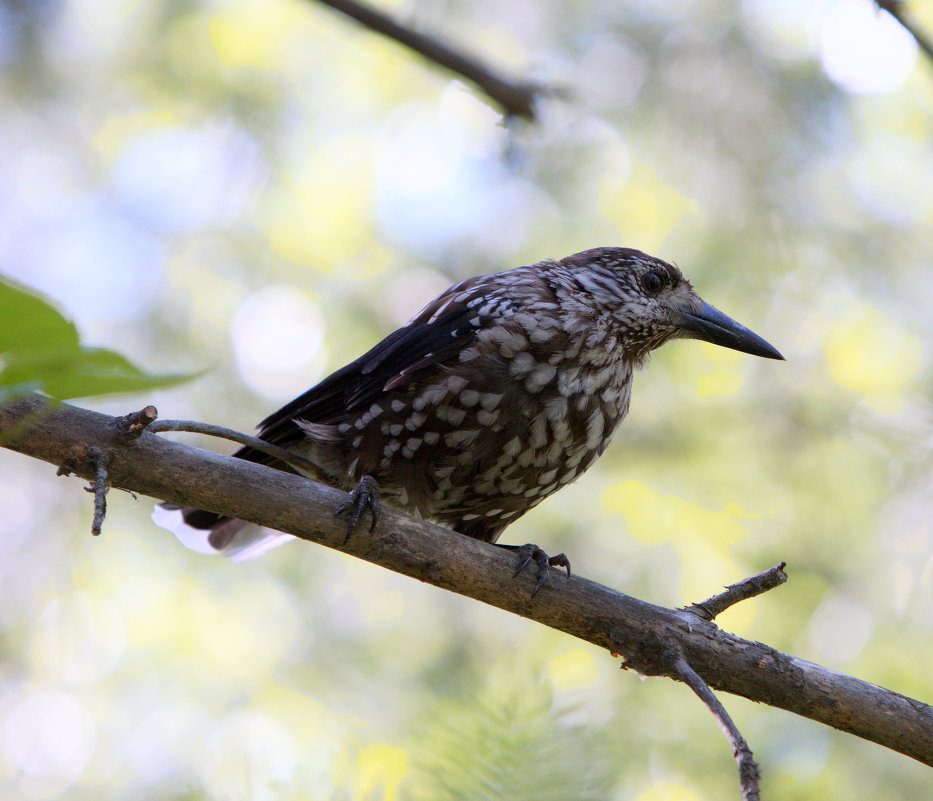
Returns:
point(210, 533)
point(206, 532)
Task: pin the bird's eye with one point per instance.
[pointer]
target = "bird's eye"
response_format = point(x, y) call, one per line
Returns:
point(652, 282)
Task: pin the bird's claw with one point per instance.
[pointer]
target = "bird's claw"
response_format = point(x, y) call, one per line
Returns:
point(364, 495)
point(531, 552)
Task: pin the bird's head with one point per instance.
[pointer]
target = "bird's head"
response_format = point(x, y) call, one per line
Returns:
point(650, 302)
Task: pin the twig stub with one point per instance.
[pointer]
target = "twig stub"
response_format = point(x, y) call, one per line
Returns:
point(134, 422)
point(740, 591)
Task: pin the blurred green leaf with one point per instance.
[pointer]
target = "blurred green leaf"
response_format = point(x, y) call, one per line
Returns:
point(40, 351)
point(30, 325)
point(507, 744)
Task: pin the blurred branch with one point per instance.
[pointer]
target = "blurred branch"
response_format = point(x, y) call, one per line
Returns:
point(897, 9)
point(517, 98)
point(646, 635)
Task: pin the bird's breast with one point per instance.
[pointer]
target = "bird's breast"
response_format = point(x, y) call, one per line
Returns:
point(516, 432)
point(524, 410)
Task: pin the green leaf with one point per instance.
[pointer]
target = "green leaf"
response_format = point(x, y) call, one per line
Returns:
point(40, 351)
point(31, 325)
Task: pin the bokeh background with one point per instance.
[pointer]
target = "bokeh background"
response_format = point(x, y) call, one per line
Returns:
point(261, 190)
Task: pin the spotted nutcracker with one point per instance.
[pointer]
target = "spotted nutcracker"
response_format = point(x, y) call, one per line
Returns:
point(502, 390)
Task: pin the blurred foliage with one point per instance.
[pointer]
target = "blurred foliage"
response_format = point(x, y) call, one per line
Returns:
point(40, 351)
point(261, 190)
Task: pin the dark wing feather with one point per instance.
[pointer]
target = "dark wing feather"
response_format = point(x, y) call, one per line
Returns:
point(440, 331)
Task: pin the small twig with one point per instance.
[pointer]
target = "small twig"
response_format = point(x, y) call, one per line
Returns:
point(749, 775)
point(517, 98)
point(303, 466)
point(99, 459)
point(740, 591)
point(135, 422)
point(99, 488)
point(897, 9)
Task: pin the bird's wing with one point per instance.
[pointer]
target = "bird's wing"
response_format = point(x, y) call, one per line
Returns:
point(438, 333)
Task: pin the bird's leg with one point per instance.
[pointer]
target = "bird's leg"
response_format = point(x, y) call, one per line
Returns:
point(365, 494)
point(531, 552)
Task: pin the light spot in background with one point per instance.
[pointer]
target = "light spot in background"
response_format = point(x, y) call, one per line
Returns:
point(256, 33)
point(85, 254)
point(474, 125)
point(250, 756)
point(864, 50)
point(434, 190)
point(611, 73)
point(9, 35)
point(790, 29)
point(427, 186)
point(319, 212)
point(870, 352)
point(80, 638)
point(721, 380)
point(665, 791)
point(387, 605)
point(905, 528)
point(719, 383)
point(839, 629)
point(653, 517)
point(82, 33)
point(48, 739)
point(320, 733)
point(411, 290)
point(891, 178)
point(379, 765)
point(251, 628)
point(16, 520)
point(644, 208)
point(164, 736)
point(799, 749)
point(179, 179)
point(277, 334)
point(574, 670)
point(419, 160)
point(701, 538)
point(117, 132)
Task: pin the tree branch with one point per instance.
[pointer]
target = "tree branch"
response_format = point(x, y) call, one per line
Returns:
point(749, 775)
point(517, 98)
point(643, 633)
point(282, 454)
point(897, 9)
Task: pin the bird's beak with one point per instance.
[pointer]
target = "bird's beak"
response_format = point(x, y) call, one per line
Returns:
point(711, 325)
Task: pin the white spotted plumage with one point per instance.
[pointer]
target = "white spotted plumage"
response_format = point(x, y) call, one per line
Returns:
point(501, 391)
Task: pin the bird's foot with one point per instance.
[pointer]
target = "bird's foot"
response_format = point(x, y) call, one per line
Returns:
point(364, 495)
point(531, 552)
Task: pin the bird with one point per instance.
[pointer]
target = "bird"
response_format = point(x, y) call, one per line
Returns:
point(501, 391)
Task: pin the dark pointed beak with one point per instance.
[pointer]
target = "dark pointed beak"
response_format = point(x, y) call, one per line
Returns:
point(711, 325)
